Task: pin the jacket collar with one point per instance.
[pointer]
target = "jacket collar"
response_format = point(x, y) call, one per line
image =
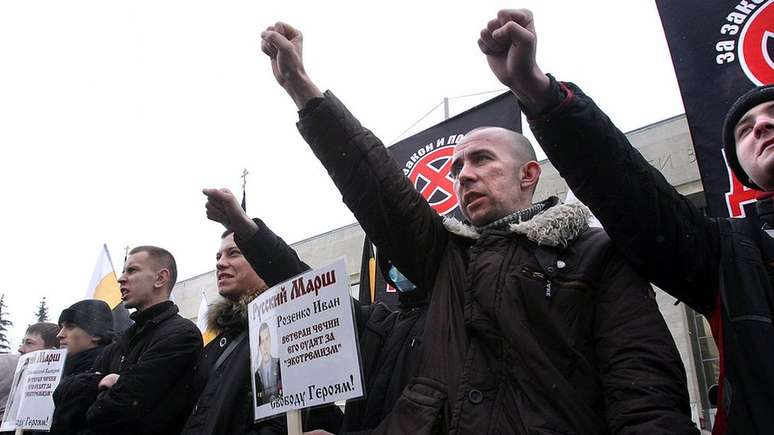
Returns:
point(227, 314)
point(555, 226)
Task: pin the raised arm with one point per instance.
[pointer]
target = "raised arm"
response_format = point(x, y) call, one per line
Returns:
point(271, 258)
point(390, 210)
point(665, 237)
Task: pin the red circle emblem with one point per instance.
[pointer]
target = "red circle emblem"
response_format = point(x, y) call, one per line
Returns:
point(756, 45)
point(430, 176)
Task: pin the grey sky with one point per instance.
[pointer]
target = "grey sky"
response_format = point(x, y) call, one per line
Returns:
point(114, 115)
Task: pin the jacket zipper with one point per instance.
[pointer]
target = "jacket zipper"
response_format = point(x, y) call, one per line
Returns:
point(534, 274)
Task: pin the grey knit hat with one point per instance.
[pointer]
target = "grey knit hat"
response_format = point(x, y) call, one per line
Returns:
point(750, 99)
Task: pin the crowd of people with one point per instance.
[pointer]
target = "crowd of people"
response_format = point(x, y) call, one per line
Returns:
point(518, 319)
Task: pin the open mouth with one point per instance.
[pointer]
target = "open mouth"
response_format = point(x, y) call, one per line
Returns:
point(471, 197)
point(766, 145)
point(224, 276)
point(124, 293)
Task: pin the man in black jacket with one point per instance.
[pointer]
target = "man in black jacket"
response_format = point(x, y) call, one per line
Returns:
point(720, 267)
point(390, 341)
point(86, 329)
point(138, 384)
point(222, 395)
point(536, 324)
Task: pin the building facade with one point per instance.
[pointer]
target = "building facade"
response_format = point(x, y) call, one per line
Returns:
point(666, 145)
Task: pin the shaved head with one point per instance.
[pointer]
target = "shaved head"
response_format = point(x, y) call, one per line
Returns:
point(522, 148)
point(495, 172)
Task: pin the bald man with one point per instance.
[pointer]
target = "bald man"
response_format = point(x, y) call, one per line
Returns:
point(536, 323)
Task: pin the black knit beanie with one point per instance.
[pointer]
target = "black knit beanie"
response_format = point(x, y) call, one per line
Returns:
point(91, 315)
point(750, 99)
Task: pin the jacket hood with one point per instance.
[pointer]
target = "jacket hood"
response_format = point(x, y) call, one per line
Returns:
point(556, 226)
point(225, 312)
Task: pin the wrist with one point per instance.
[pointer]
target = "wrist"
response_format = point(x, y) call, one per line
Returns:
point(245, 229)
point(301, 89)
point(535, 92)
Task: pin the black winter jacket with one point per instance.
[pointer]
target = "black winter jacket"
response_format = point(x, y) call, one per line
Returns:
point(718, 266)
point(540, 329)
point(222, 397)
point(154, 359)
point(69, 416)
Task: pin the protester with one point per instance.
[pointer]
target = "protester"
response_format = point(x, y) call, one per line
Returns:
point(720, 267)
point(222, 395)
point(138, 383)
point(390, 350)
point(39, 336)
point(86, 329)
point(7, 369)
point(222, 389)
point(536, 323)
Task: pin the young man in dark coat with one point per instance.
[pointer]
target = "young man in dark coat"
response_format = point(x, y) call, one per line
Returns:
point(222, 395)
point(86, 329)
point(536, 323)
point(138, 384)
point(722, 268)
point(390, 341)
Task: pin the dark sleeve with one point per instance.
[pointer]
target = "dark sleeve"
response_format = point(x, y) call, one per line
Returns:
point(271, 258)
point(393, 214)
point(642, 374)
point(72, 398)
point(144, 387)
point(659, 231)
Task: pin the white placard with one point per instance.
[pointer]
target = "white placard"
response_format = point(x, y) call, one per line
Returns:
point(30, 405)
point(303, 343)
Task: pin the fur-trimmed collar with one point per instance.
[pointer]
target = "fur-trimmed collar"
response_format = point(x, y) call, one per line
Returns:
point(225, 312)
point(556, 226)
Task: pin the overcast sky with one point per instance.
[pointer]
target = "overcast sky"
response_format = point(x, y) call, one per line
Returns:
point(114, 115)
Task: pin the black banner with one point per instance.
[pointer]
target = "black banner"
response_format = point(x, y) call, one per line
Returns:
point(720, 50)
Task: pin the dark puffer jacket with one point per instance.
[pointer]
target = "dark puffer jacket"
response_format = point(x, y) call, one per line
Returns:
point(720, 267)
point(540, 329)
point(154, 359)
point(69, 416)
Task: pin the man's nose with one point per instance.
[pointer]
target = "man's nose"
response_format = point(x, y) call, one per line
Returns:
point(466, 174)
point(763, 125)
point(221, 263)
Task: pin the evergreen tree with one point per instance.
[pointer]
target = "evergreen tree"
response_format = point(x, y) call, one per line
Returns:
point(42, 313)
point(5, 323)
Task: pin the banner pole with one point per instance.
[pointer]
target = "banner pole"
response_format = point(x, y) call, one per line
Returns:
point(294, 422)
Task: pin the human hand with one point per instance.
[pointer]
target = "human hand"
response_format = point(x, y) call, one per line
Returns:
point(284, 46)
point(510, 44)
point(108, 381)
point(223, 207)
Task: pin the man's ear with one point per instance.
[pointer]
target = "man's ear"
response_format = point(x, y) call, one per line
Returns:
point(530, 174)
point(162, 278)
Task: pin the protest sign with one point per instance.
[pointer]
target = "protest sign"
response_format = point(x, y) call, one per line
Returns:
point(303, 344)
point(30, 405)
